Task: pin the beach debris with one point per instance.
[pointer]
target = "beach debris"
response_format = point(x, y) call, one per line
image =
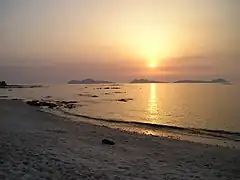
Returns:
point(94, 96)
point(108, 142)
point(125, 99)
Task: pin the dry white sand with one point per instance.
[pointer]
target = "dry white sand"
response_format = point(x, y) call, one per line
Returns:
point(37, 145)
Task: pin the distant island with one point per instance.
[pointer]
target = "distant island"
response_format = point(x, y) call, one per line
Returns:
point(220, 81)
point(214, 81)
point(3, 84)
point(89, 81)
point(145, 81)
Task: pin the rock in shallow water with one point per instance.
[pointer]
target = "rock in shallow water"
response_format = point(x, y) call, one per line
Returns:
point(70, 106)
point(41, 103)
point(3, 96)
point(55, 104)
point(108, 142)
point(125, 100)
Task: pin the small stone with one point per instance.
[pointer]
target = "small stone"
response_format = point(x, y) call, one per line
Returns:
point(108, 142)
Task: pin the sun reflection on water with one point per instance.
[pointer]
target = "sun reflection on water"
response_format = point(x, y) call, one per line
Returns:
point(152, 104)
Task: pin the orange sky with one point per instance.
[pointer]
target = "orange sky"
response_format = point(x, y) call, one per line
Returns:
point(149, 36)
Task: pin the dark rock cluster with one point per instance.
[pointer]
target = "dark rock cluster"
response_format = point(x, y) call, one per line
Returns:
point(55, 104)
point(3, 84)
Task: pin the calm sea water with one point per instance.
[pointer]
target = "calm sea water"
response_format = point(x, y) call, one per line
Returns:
point(200, 106)
point(206, 106)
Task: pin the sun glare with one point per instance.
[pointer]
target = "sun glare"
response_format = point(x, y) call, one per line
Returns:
point(153, 50)
point(153, 46)
point(152, 65)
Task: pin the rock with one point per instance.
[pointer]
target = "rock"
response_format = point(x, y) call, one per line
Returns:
point(50, 105)
point(47, 97)
point(33, 103)
point(54, 104)
point(3, 96)
point(68, 102)
point(115, 88)
point(41, 103)
point(87, 95)
point(69, 106)
point(125, 100)
point(16, 99)
point(108, 142)
point(3, 84)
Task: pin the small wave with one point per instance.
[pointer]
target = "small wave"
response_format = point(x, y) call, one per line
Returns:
point(234, 136)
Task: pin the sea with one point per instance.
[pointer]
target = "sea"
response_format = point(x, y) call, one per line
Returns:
point(205, 113)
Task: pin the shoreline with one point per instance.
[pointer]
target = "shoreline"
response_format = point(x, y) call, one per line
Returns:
point(203, 136)
point(35, 144)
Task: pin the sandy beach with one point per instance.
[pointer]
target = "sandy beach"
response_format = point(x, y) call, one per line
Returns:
point(38, 145)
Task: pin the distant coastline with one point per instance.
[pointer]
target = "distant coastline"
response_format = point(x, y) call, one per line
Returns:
point(89, 81)
point(3, 84)
point(146, 81)
point(214, 81)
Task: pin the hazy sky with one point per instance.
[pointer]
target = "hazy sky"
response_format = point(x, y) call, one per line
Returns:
point(58, 40)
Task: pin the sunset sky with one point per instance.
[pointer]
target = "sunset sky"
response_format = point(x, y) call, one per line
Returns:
point(58, 40)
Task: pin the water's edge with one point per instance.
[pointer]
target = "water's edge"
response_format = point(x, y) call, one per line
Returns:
point(205, 136)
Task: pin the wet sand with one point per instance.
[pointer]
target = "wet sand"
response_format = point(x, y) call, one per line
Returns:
point(38, 145)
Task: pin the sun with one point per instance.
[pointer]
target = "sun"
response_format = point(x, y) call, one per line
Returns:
point(151, 51)
point(153, 46)
point(152, 65)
